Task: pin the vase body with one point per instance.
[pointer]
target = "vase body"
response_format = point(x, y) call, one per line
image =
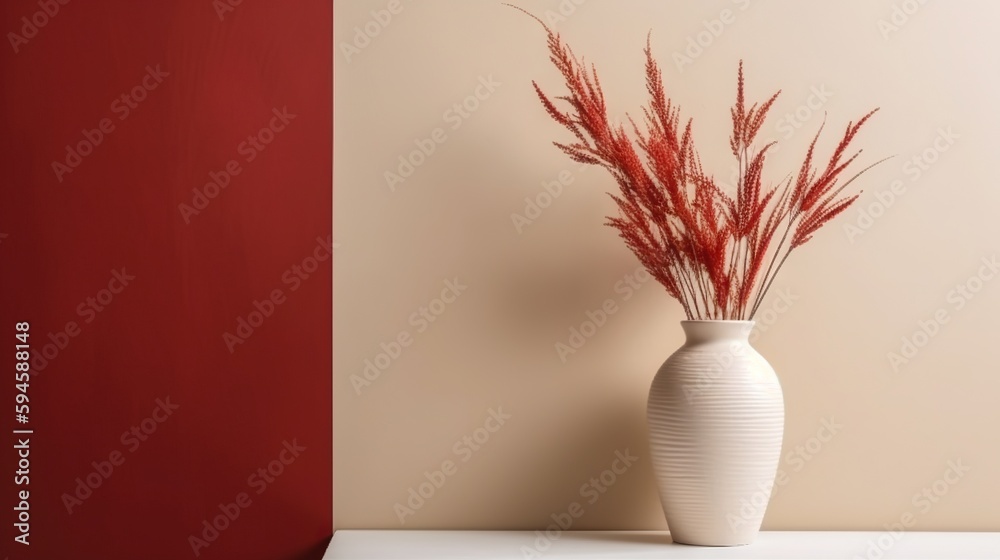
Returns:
point(716, 418)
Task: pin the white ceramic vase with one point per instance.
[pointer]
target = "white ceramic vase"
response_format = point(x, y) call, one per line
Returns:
point(716, 417)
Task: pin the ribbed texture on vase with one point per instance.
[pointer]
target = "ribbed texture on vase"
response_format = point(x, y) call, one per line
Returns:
point(716, 417)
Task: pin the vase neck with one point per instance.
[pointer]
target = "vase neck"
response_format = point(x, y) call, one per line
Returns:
point(715, 331)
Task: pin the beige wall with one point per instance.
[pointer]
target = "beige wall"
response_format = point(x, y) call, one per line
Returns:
point(849, 299)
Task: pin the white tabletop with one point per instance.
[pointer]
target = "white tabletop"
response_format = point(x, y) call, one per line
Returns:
point(627, 545)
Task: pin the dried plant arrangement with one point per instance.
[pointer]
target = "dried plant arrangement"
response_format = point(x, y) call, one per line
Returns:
point(716, 253)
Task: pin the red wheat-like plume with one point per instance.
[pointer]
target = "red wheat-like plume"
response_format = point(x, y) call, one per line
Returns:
point(715, 253)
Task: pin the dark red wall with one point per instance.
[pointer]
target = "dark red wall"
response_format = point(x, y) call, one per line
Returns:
point(168, 282)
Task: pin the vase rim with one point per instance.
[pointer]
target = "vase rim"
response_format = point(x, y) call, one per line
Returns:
point(716, 329)
point(727, 321)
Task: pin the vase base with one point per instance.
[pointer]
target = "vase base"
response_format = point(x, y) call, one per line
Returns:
point(694, 542)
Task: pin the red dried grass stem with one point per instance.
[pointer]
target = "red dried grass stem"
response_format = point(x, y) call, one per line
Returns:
point(705, 247)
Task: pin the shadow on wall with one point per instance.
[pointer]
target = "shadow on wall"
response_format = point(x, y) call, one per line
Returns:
point(541, 277)
point(603, 465)
point(531, 285)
